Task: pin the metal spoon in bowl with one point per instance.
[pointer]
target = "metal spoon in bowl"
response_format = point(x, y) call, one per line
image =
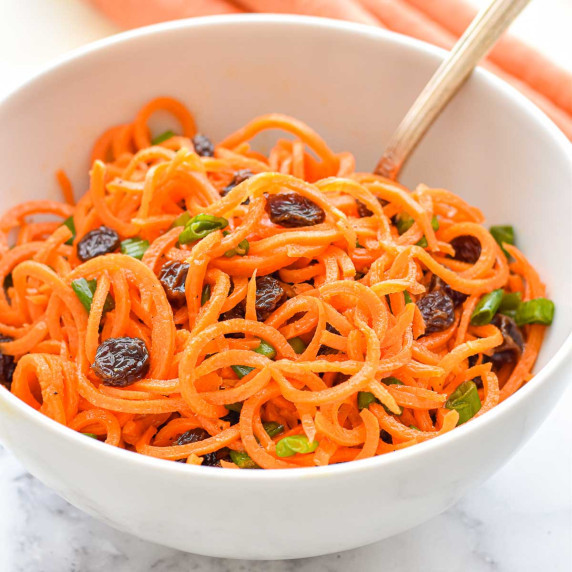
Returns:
point(472, 46)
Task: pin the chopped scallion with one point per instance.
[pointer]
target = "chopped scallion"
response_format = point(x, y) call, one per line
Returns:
point(241, 249)
point(503, 234)
point(465, 400)
point(391, 381)
point(510, 301)
point(181, 220)
point(404, 222)
point(162, 137)
point(266, 349)
point(293, 444)
point(536, 311)
point(407, 297)
point(85, 289)
point(135, 247)
point(69, 222)
point(487, 308)
point(206, 294)
point(273, 428)
point(241, 370)
point(365, 399)
point(200, 226)
point(297, 344)
point(243, 460)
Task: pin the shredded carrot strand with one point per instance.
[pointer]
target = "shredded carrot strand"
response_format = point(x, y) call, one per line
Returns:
point(226, 356)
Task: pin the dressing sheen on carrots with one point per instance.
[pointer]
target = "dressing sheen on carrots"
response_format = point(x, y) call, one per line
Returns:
point(306, 315)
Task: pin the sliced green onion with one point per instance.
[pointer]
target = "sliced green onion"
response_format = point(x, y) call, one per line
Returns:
point(510, 301)
point(404, 222)
point(536, 311)
point(391, 381)
point(69, 222)
point(135, 247)
point(200, 226)
point(503, 234)
point(273, 428)
point(92, 435)
point(234, 406)
point(422, 242)
point(365, 399)
point(297, 344)
point(243, 460)
point(358, 245)
point(206, 294)
point(181, 220)
point(465, 400)
point(293, 444)
point(407, 297)
point(487, 308)
point(162, 137)
point(266, 349)
point(413, 427)
point(241, 249)
point(509, 313)
point(85, 289)
point(241, 370)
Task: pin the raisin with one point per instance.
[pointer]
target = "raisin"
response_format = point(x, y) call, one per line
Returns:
point(237, 312)
point(467, 248)
point(172, 277)
point(363, 211)
point(292, 210)
point(327, 350)
point(97, 242)
point(437, 310)
point(513, 341)
point(233, 417)
point(239, 177)
point(121, 361)
point(340, 378)
point(385, 437)
point(269, 295)
point(7, 366)
point(473, 360)
point(199, 434)
point(457, 297)
point(203, 145)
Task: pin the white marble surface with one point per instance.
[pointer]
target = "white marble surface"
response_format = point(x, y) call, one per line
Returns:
point(521, 519)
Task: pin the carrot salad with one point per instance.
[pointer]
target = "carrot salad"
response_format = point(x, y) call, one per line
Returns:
point(215, 305)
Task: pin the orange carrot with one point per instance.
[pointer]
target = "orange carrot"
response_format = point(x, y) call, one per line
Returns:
point(339, 319)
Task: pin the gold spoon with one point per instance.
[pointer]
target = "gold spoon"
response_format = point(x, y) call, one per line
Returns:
point(472, 46)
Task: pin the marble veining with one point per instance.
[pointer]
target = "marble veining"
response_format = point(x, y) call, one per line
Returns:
point(519, 520)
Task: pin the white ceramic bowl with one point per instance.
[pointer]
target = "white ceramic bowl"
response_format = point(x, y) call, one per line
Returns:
point(352, 84)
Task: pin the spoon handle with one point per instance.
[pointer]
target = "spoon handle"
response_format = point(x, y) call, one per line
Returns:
point(472, 46)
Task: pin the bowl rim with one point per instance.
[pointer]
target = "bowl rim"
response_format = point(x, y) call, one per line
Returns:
point(422, 50)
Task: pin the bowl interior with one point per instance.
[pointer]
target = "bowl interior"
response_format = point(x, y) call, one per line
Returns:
point(350, 84)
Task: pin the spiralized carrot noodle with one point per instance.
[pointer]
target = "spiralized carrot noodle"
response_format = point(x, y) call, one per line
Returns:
point(322, 306)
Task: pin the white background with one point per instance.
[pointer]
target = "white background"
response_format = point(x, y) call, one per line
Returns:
point(521, 519)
